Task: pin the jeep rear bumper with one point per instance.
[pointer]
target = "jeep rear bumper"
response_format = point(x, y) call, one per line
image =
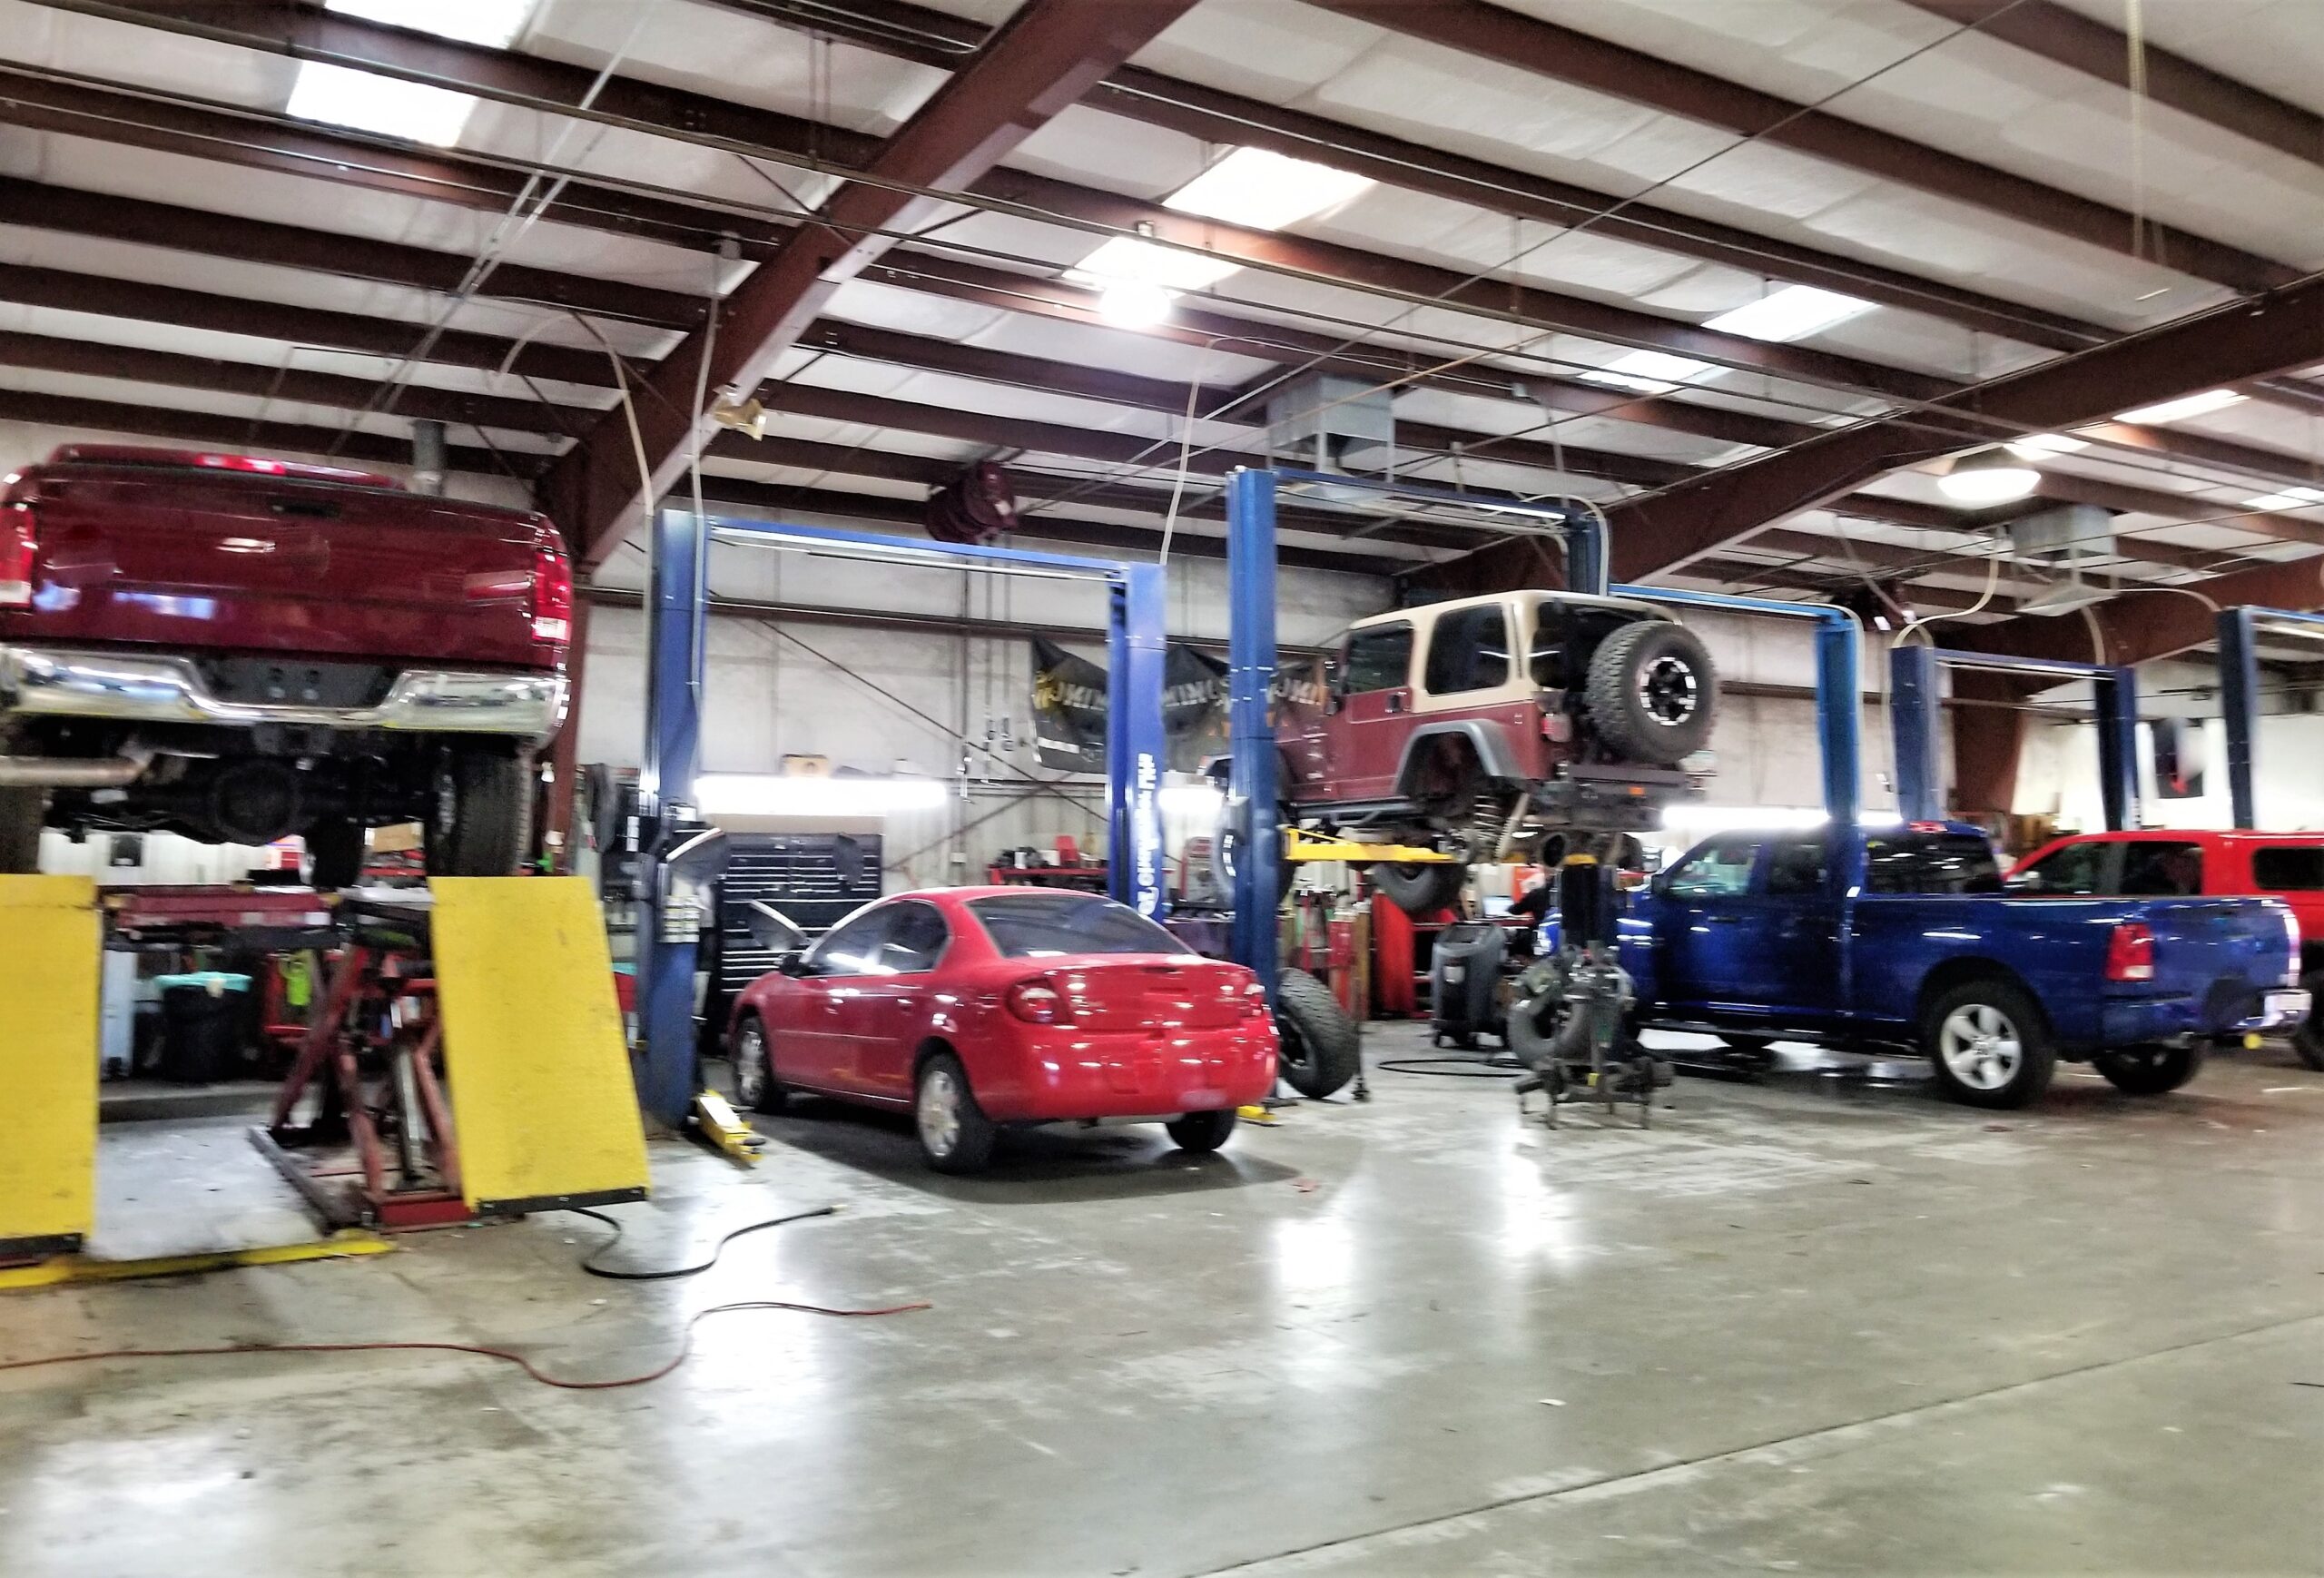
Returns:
point(133, 687)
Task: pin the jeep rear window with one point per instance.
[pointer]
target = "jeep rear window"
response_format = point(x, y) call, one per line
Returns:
point(2290, 868)
point(1469, 650)
point(1378, 658)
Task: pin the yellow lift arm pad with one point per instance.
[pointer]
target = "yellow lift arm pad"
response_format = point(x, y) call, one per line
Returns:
point(49, 946)
point(542, 1097)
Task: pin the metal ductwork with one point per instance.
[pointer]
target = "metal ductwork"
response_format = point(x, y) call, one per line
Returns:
point(1317, 422)
point(429, 458)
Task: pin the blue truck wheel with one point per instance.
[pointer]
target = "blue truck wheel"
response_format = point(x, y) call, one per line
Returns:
point(1989, 1044)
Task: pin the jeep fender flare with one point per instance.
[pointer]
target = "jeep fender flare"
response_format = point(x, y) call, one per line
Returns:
point(1490, 742)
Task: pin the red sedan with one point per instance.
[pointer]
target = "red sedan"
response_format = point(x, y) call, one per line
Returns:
point(979, 1008)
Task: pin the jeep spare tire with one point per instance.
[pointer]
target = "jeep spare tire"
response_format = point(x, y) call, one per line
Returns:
point(1652, 691)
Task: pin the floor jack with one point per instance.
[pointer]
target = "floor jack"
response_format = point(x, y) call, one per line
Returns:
point(1583, 998)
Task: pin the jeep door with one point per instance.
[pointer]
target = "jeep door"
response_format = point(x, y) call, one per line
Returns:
point(1369, 715)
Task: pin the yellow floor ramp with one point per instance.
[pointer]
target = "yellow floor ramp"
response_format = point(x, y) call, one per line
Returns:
point(48, 1063)
point(542, 1097)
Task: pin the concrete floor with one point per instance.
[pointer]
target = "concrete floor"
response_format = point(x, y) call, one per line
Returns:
point(1814, 1323)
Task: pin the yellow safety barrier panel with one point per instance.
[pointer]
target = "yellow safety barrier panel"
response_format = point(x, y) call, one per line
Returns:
point(48, 1063)
point(542, 1097)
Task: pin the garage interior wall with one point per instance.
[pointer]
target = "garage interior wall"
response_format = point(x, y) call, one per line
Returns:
point(2058, 770)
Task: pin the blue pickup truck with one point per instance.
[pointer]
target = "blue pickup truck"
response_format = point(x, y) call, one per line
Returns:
point(1908, 936)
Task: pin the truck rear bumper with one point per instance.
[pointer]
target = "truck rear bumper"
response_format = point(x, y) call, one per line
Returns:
point(2137, 1022)
point(133, 687)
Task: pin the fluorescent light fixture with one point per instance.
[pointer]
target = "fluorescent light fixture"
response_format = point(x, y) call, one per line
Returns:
point(2033, 446)
point(1793, 312)
point(2289, 498)
point(1250, 186)
point(1266, 191)
point(1649, 372)
point(2193, 404)
point(767, 794)
point(1124, 258)
point(414, 112)
point(1987, 476)
point(1134, 303)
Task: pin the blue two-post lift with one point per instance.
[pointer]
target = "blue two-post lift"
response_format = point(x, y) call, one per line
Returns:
point(676, 603)
point(1136, 757)
point(2239, 695)
point(1914, 702)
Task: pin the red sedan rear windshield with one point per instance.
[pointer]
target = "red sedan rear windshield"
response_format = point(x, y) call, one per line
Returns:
point(1038, 925)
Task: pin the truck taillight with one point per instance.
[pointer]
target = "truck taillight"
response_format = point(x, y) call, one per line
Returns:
point(552, 596)
point(19, 541)
point(2130, 952)
point(2292, 936)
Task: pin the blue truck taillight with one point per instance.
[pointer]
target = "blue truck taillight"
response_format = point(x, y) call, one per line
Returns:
point(2130, 952)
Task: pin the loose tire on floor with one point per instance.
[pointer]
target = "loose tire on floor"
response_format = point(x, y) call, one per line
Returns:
point(749, 1056)
point(1419, 887)
point(2150, 1071)
point(1989, 1044)
point(955, 1135)
point(21, 811)
point(480, 822)
point(335, 852)
point(1652, 692)
point(1322, 1049)
point(2308, 1041)
point(1201, 1132)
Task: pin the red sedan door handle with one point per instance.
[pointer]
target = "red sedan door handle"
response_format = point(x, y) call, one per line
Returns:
point(906, 1003)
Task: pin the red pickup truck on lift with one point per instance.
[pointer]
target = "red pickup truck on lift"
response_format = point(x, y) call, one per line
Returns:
point(238, 649)
point(2279, 865)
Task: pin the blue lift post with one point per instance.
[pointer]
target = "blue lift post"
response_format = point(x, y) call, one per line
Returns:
point(1251, 784)
point(2238, 696)
point(1914, 704)
point(1135, 744)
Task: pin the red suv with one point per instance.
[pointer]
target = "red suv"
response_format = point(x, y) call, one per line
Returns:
point(238, 649)
point(2280, 865)
point(1476, 724)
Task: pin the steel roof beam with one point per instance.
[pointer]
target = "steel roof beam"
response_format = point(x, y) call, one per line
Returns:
point(2224, 346)
point(2067, 38)
point(1039, 62)
point(1565, 54)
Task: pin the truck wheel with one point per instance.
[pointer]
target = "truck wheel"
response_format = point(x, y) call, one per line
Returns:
point(2150, 1071)
point(1988, 1044)
point(20, 812)
point(2308, 1041)
point(1652, 691)
point(335, 852)
point(481, 814)
point(1419, 887)
point(1322, 1049)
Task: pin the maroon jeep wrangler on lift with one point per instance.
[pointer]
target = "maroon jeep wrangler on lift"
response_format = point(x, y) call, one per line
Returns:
point(238, 649)
point(1495, 723)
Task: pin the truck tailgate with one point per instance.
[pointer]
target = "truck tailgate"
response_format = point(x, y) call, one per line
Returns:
point(190, 559)
point(2217, 948)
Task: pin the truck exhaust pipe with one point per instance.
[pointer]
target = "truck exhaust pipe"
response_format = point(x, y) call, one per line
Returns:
point(75, 773)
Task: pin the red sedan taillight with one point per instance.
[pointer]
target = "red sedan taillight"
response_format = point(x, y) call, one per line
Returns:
point(19, 544)
point(552, 597)
point(2130, 952)
point(1038, 1001)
